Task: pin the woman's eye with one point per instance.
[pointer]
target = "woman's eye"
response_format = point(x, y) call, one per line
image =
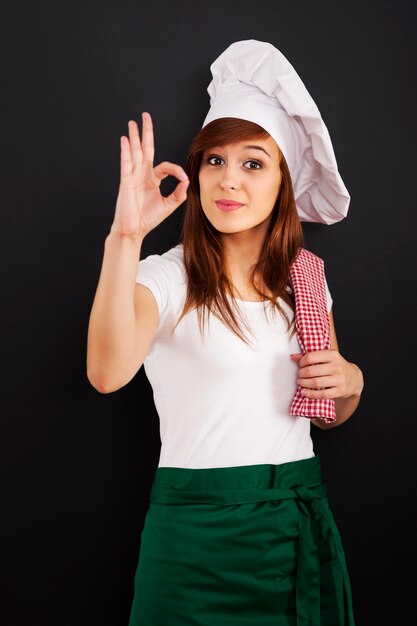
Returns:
point(216, 158)
point(256, 163)
point(211, 159)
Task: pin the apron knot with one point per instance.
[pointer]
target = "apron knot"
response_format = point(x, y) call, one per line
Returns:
point(308, 571)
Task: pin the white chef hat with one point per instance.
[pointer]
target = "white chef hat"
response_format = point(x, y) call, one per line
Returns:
point(252, 80)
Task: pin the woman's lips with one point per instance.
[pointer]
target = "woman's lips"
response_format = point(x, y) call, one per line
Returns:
point(227, 206)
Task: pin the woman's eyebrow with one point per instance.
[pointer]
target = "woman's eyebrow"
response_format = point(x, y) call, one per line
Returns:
point(257, 148)
point(250, 147)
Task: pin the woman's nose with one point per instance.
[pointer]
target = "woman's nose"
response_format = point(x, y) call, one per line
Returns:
point(229, 177)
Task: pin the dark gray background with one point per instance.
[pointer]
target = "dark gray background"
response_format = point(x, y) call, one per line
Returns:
point(77, 465)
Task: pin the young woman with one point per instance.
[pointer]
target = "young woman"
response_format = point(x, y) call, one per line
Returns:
point(239, 529)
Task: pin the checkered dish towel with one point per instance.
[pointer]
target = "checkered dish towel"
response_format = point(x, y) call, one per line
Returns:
point(312, 325)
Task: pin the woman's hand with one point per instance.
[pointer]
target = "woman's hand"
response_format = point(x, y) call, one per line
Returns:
point(140, 207)
point(326, 374)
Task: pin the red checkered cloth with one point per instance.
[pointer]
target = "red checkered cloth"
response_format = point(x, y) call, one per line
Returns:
point(312, 324)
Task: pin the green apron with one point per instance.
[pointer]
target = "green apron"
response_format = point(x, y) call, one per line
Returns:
point(241, 545)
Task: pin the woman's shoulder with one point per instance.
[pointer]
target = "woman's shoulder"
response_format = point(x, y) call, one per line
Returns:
point(169, 262)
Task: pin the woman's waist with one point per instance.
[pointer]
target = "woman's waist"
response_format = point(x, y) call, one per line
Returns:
point(236, 483)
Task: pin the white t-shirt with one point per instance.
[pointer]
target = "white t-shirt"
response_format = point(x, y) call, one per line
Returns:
point(221, 402)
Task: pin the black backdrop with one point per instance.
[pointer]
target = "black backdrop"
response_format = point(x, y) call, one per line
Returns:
point(77, 465)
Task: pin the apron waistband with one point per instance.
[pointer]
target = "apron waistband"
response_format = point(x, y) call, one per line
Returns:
point(308, 569)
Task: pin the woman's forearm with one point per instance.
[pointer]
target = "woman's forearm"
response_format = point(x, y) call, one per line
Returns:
point(112, 324)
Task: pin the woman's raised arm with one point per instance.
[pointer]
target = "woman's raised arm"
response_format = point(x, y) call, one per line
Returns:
point(124, 314)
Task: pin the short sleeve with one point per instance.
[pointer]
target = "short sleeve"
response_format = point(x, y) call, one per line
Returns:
point(328, 296)
point(163, 276)
point(150, 273)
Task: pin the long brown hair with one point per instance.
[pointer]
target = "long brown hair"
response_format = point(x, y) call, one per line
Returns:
point(208, 284)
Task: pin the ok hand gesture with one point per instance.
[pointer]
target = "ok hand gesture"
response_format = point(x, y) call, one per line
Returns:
point(140, 207)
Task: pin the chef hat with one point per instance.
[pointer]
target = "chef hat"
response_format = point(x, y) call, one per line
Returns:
point(252, 80)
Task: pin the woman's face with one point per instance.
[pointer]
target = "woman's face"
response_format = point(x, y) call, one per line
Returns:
point(247, 172)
